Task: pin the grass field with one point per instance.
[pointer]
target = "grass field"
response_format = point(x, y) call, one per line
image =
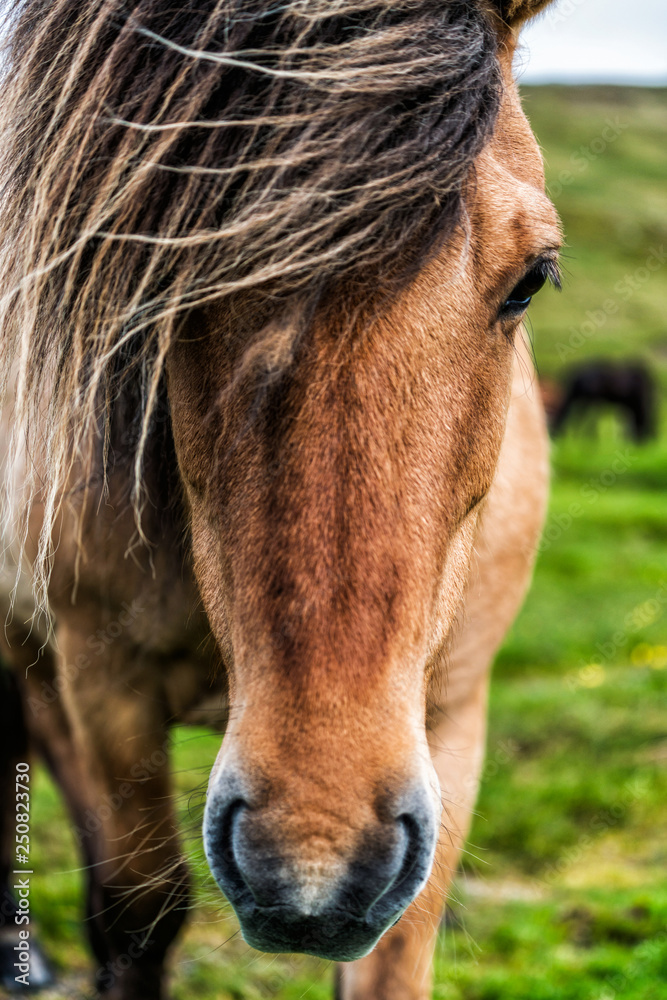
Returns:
point(562, 894)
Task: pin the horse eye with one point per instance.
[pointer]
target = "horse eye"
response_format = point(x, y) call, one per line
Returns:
point(529, 285)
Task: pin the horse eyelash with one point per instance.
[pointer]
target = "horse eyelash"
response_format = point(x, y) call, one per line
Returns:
point(553, 272)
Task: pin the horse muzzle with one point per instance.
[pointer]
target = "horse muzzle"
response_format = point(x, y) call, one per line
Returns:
point(317, 897)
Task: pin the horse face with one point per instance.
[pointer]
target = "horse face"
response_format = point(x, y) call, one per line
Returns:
point(332, 527)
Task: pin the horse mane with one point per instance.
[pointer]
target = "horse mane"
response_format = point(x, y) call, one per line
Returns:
point(157, 157)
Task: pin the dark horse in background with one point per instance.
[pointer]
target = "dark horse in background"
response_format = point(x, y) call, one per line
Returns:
point(271, 448)
point(624, 385)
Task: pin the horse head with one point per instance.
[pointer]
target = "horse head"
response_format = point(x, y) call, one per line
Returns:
point(335, 471)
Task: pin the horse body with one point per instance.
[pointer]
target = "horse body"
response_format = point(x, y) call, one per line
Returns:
point(327, 565)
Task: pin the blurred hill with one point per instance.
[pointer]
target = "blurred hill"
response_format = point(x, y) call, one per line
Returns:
point(605, 151)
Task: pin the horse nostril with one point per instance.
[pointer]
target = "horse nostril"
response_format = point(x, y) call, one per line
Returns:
point(413, 861)
point(220, 821)
point(242, 855)
point(414, 844)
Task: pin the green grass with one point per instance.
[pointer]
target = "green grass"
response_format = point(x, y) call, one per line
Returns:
point(562, 892)
point(558, 948)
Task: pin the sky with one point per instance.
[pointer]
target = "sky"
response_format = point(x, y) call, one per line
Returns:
point(585, 41)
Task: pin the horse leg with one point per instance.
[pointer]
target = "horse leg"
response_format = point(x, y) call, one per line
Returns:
point(138, 894)
point(129, 966)
point(50, 734)
point(641, 417)
point(563, 412)
point(400, 966)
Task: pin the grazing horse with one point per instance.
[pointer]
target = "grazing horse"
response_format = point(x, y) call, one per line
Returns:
point(626, 385)
point(272, 448)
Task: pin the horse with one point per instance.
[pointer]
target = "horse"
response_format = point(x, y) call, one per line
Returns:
point(272, 450)
point(627, 385)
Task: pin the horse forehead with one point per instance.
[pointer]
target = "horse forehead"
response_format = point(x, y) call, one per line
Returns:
point(511, 216)
point(511, 222)
point(511, 207)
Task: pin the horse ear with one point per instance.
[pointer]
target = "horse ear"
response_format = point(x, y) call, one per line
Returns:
point(515, 12)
